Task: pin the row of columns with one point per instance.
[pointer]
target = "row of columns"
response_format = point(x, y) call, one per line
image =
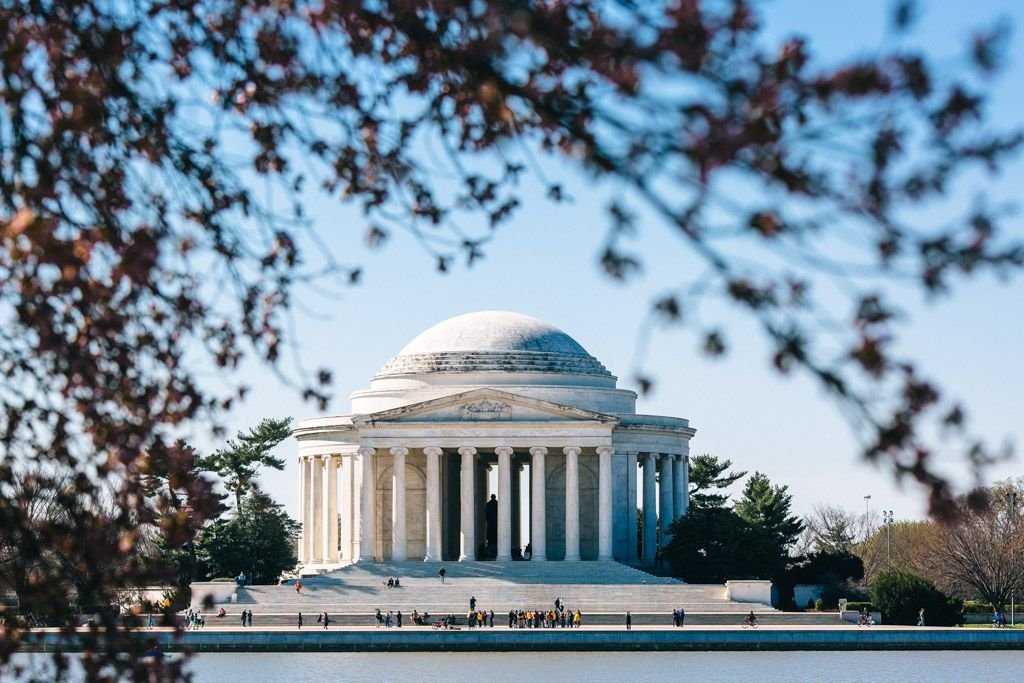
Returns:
point(674, 478)
point(318, 475)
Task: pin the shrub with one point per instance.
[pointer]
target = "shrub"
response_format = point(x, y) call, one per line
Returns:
point(810, 603)
point(974, 607)
point(861, 606)
point(819, 605)
point(900, 596)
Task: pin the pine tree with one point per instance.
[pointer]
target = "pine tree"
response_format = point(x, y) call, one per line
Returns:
point(707, 478)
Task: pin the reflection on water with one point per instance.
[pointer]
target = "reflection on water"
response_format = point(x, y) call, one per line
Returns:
point(592, 667)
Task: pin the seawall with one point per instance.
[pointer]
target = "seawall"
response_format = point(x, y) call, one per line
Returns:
point(593, 639)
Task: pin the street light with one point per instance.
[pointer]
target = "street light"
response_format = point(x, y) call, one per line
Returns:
point(887, 521)
point(866, 499)
point(1011, 498)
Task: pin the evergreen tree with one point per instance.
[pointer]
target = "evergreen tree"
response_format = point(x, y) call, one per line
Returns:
point(258, 540)
point(713, 544)
point(769, 508)
point(240, 462)
point(708, 478)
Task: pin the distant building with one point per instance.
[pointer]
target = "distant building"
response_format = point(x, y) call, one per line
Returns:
point(408, 472)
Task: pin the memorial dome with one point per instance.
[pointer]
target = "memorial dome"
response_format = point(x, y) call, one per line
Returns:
point(493, 341)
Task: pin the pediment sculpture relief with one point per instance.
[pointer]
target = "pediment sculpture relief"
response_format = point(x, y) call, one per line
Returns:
point(486, 410)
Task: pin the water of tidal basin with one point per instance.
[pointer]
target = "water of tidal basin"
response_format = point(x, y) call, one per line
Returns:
point(594, 667)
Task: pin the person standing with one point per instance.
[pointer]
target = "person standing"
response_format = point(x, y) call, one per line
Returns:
point(920, 617)
point(250, 618)
point(243, 617)
point(327, 620)
point(472, 602)
point(492, 618)
point(629, 621)
point(300, 619)
point(298, 586)
point(441, 572)
point(399, 618)
point(682, 617)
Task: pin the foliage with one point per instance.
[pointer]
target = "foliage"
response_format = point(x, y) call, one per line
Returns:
point(147, 149)
point(711, 545)
point(708, 478)
point(239, 463)
point(259, 540)
point(768, 507)
point(861, 606)
point(900, 596)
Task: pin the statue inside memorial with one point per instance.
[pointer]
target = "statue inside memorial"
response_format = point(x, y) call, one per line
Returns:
point(491, 514)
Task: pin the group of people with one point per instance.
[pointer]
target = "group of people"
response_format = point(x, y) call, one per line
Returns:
point(678, 617)
point(247, 617)
point(194, 619)
point(321, 618)
point(999, 621)
point(392, 582)
point(562, 617)
point(479, 618)
point(388, 620)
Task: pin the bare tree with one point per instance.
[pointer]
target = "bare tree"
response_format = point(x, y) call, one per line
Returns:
point(983, 550)
point(829, 528)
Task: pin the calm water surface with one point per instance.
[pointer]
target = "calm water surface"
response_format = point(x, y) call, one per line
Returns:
point(593, 667)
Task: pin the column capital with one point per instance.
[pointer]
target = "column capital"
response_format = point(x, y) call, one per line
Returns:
point(503, 450)
point(538, 450)
point(432, 450)
point(399, 450)
point(467, 450)
point(572, 450)
point(601, 450)
point(367, 450)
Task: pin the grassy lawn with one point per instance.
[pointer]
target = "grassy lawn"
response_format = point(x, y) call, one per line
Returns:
point(1016, 626)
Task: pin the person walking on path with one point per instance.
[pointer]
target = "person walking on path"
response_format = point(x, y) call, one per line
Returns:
point(472, 602)
point(327, 620)
point(682, 617)
point(920, 617)
point(298, 586)
point(399, 618)
point(250, 618)
point(629, 621)
point(300, 619)
point(243, 617)
point(441, 572)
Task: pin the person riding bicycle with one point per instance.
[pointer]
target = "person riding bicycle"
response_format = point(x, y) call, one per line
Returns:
point(751, 618)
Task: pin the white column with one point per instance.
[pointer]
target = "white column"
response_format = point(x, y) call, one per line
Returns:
point(318, 510)
point(303, 521)
point(678, 487)
point(467, 550)
point(504, 502)
point(667, 502)
point(398, 553)
point(330, 510)
point(538, 505)
point(367, 506)
point(310, 508)
point(604, 503)
point(631, 506)
point(347, 510)
point(686, 484)
point(433, 553)
point(650, 509)
point(572, 503)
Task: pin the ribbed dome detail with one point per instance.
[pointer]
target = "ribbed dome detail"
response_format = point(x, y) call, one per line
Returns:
point(493, 341)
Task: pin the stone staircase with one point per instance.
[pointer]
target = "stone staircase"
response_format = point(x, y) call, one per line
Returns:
point(595, 588)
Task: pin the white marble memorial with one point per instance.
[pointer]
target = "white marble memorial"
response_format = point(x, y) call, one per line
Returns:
point(482, 392)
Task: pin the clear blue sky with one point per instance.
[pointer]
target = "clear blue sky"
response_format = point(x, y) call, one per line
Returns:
point(545, 264)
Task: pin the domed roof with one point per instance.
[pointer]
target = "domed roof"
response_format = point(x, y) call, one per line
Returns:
point(493, 341)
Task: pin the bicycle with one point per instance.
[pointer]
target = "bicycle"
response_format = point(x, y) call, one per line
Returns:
point(747, 621)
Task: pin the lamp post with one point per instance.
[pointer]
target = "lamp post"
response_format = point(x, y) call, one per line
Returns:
point(887, 520)
point(1011, 499)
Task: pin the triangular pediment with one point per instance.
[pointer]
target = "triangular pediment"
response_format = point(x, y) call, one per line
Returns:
point(484, 405)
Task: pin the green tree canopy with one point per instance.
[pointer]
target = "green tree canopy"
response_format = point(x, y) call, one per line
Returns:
point(768, 507)
point(708, 480)
point(240, 462)
point(258, 540)
point(900, 596)
point(713, 544)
